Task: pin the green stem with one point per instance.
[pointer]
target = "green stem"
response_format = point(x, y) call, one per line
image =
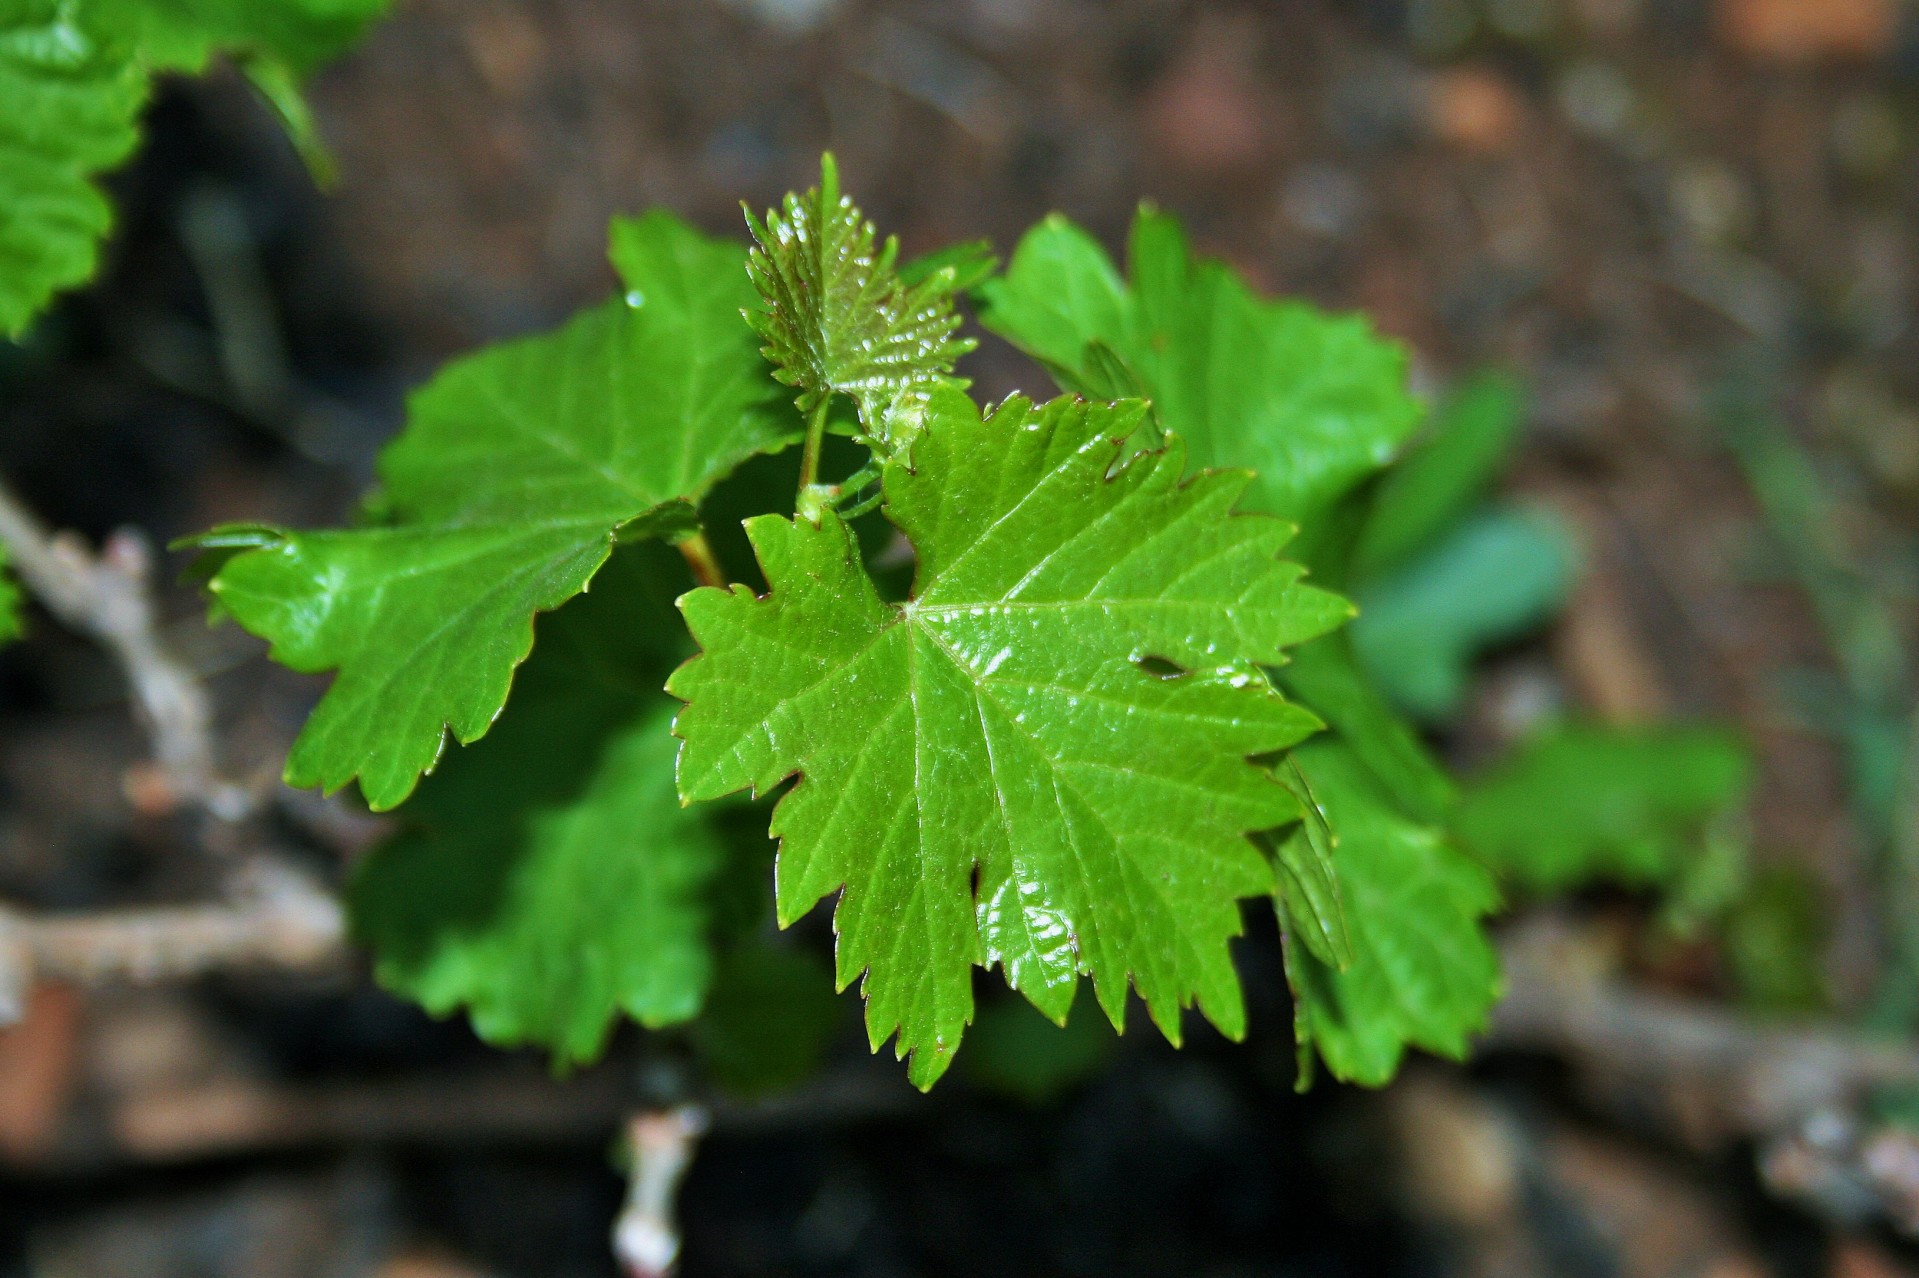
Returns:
point(815, 436)
point(701, 559)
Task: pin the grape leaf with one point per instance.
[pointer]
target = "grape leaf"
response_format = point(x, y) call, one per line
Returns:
point(74, 75)
point(1422, 973)
point(991, 770)
point(1492, 578)
point(1448, 472)
point(547, 878)
point(518, 470)
point(71, 98)
point(1595, 802)
point(1312, 402)
point(839, 318)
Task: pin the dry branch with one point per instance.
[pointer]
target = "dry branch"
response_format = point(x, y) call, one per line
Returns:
point(279, 919)
point(109, 598)
point(1801, 1094)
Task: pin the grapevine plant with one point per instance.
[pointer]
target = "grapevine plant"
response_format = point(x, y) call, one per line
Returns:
point(1104, 712)
point(1055, 686)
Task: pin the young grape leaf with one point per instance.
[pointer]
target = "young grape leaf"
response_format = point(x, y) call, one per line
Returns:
point(838, 316)
point(1448, 472)
point(518, 470)
point(992, 772)
point(1312, 402)
point(1423, 973)
point(1492, 578)
point(1581, 803)
point(74, 75)
point(548, 878)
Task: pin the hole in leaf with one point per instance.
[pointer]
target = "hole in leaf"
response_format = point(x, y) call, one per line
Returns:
point(1160, 667)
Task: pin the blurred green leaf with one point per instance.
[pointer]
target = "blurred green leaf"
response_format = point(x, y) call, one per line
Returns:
point(1490, 579)
point(769, 1018)
point(1443, 475)
point(74, 75)
point(11, 623)
point(972, 263)
point(1774, 939)
point(1015, 1050)
point(1585, 803)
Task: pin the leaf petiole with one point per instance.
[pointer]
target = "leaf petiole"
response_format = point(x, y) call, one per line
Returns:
point(810, 454)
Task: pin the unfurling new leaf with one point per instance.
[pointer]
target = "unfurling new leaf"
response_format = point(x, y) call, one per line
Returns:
point(839, 318)
point(991, 770)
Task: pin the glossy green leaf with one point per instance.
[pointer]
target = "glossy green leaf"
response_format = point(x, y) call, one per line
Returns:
point(74, 75)
point(518, 470)
point(991, 770)
point(1312, 402)
point(1489, 580)
point(547, 878)
point(1582, 803)
point(1444, 475)
point(1423, 974)
point(838, 318)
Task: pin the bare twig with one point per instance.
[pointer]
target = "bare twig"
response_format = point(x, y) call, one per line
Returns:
point(646, 1237)
point(108, 597)
point(1802, 1094)
point(279, 920)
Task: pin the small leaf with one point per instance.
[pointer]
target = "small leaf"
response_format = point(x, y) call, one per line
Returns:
point(990, 770)
point(838, 317)
point(547, 879)
point(1442, 477)
point(1308, 879)
point(1584, 803)
point(1423, 973)
point(965, 266)
point(1312, 402)
point(519, 469)
point(1491, 579)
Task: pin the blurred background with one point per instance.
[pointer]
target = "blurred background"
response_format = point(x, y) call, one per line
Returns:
point(1688, 228)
